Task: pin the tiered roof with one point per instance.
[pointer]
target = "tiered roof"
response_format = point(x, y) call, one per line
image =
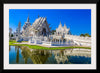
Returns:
point(39, 22)
point(27, 23)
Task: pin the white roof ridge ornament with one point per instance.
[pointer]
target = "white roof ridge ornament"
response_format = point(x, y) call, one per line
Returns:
point(65, 26)
point(28, 18)
point(60, 25)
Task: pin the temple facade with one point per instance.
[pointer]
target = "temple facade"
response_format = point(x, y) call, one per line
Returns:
point(25, 29)
point(62, 30)
point(58, 39)
point(40, 27)
point(18, 30)
point(40, 33)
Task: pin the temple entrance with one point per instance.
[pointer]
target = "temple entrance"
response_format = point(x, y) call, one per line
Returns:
point(64, 40)
point(44, 32)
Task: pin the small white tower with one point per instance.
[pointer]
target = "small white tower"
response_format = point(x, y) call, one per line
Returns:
point(19, 27)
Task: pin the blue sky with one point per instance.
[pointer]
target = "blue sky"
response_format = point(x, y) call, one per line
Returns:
point(78, 20)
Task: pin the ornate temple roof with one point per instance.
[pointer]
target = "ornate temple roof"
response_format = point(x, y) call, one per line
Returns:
point(65, 27)
point(62, 29)
point(27, 23)
point(28, 19)
point(39, 22)
point(60, 25)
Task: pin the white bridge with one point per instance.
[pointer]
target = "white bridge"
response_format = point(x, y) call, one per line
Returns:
point(66, 40)
point(82, 41)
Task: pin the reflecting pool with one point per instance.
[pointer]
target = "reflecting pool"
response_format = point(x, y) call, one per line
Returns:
point(25, 55)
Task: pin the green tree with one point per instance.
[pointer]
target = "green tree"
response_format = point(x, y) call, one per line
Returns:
point(87, 35)
point(52, 32)
point(11, 35)
point(82, 35)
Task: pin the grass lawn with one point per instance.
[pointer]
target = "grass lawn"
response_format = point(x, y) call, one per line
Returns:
point(11, 43)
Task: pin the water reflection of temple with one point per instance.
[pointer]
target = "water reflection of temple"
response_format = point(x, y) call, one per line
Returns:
point(63, 55)
point(60, 57)
point(41, 56)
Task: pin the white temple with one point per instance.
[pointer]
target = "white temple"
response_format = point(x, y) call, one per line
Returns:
point(25, 30)
point(39, 33)
point(62, 30)
point(17, 34)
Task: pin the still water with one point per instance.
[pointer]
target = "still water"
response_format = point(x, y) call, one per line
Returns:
point(24, 55)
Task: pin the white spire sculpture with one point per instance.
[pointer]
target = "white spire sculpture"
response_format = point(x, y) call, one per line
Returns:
point(19, 27)
point(28, 18)
point(60, 25)
point(65, 27)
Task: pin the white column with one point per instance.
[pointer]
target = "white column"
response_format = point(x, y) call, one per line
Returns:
point(69, 41)
point(66, 41)
point(51, 41)
point(37, 33)
point(59, 41)
point(62, 41)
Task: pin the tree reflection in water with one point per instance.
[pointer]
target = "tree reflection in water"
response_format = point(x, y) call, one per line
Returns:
point(37, 56)
point(17, 56)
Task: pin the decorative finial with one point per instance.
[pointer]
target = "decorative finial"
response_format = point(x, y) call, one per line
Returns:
point(60, 23)
point(28, 18)
point(64, 24)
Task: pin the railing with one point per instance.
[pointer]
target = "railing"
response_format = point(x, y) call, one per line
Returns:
point(78, 38)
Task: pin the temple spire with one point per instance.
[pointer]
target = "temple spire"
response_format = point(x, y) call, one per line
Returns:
point(28, 18)
point(65, 25)
point(60, 25)
point(19, 27)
